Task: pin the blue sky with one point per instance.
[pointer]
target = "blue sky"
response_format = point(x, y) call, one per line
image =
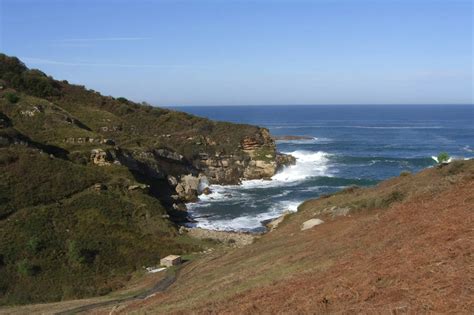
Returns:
point(229, 52)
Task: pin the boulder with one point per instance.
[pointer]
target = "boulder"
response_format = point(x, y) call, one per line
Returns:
point(100, 157)
point(273, 224)
point(187, 188)
point(138, 186)
point(311, 223)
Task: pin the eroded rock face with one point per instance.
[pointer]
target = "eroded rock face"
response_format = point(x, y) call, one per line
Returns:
point(257, 159)
point(189, 187)
point(283, 160)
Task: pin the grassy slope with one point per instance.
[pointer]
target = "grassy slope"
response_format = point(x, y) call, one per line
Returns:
point(63, 239)
point(405, 247)
point(59, 237)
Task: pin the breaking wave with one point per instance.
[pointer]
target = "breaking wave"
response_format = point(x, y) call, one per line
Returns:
point(262, 194)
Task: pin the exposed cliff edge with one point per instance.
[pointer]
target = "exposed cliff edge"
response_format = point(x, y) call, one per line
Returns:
point(91, 186)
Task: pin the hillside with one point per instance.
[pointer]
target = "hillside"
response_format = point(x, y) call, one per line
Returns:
point(92, 186)
point(404, 246)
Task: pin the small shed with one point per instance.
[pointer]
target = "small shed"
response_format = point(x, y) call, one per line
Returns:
point(171, 260)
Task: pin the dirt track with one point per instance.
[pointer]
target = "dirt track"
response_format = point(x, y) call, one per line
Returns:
point(161, 286)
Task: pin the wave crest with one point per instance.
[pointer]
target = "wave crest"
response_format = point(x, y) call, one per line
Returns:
point(308, 164)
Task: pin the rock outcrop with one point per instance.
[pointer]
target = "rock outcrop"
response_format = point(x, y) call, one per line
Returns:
point(101, 157)
point(274, 223)
point(256, 159)
point(311, 223)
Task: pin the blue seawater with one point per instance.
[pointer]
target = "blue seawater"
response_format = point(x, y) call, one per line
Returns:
point(350, 145)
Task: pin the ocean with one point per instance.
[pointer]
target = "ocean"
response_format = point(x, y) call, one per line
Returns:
point(350, 145)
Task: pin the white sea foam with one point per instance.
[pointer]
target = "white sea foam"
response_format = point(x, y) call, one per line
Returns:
point(468, 149)
point(436, 159)
point(308, 164)
point(248, 222)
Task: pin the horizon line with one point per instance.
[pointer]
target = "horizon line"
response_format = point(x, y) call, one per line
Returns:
point(338, 104)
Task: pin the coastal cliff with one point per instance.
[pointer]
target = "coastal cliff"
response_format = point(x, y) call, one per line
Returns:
point(92, 186)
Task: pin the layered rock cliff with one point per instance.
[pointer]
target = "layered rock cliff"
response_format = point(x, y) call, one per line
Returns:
point(255, 157)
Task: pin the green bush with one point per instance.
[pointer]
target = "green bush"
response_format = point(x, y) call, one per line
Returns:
point(405, 173)
point(12, 97)
point(34, 245)
point(25, 268)
point(443, 157)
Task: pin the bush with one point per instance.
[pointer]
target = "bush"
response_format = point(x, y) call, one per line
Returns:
point(34, 245)
point(25, 268)
point(122, 100)
point(443, 157)
point(12, 97)
point(405, 173)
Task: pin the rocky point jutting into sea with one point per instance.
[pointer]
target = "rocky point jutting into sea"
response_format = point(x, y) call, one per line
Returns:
point(255, 157)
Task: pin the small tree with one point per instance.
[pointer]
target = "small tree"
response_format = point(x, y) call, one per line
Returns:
point(443, 157)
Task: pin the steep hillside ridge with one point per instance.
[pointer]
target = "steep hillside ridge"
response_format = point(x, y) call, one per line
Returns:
point(91, 186)
point(404, 246)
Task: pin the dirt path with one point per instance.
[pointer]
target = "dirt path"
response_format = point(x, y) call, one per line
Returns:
point(160, 286)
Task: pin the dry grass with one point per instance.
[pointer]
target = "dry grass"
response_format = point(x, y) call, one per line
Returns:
point(411, 255)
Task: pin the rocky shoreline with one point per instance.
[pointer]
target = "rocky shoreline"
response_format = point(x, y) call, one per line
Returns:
point(256, 157)
point(234, 238)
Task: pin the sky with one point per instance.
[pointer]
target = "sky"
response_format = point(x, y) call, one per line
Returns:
point(260, 52)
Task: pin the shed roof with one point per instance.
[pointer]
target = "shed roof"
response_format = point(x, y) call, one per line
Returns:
point(172, 257)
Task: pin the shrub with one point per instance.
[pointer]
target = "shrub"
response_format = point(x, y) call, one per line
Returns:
point(405, 173)
point(25, 268)
point(443, 157)
point(12, 97)
point(34, 245)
